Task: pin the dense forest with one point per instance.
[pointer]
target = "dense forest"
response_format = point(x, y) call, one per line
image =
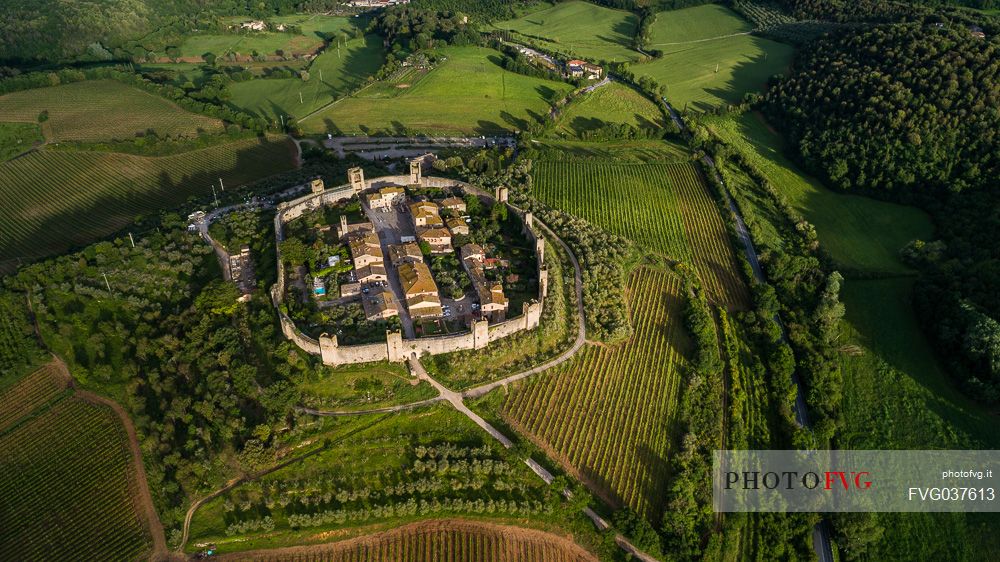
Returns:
point(911, 113)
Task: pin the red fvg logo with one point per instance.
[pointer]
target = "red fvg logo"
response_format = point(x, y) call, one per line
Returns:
point(790, 480)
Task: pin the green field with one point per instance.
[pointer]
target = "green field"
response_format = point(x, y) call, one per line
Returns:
point(65, 476)
point(467, 93)
point(703, 65)
point(341, 69)
point(664, 206)
point(101, 110)
point(267, 42)
point(858, 232)
point(362, 387)
point(52, 200)
point(586, 30)
point(613, 103)
point(16, 138)
point(608, 414)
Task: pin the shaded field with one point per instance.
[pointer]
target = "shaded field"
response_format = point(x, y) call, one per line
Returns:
point(66, 479)
point(613, 103)
point(101, 110)
point(53, 200)
point(665, 207)
point(467, 93)
point(608, 415)
point(444, 540)
point(584, 29)
point(858, 232)
point(703, 65)
point(30, 393)
point(362, 387)
point(332, 74)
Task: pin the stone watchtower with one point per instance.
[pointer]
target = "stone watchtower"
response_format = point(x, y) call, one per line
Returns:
point(316, 184)
point(501, 194)
point(357, 178)
point(415, 169)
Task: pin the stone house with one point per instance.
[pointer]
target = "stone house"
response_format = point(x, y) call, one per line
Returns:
point(380, 304)
point(456, 204)
point(439, 239)
point(458, 226)
point(425, 213)
point(365, 249)
point(402, 253)
point(422, 299)
point(385, 197)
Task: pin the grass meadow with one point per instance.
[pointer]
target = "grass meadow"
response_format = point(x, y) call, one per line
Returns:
point(467, 93)
point(858, 232)
point(704, 64)
point(267, 42)
point(362, 387)
point(101, 110)
point(16, 138)
point(613, 103)
point(581, 28)
point(332, 74)
point(51, 200)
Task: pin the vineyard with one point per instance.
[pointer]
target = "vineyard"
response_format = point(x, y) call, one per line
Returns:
point(101, 110)
point(665, 207)
point(52, 200)
point(65, 479)
point(448, 540)
point(30, 393)
point(608, 414)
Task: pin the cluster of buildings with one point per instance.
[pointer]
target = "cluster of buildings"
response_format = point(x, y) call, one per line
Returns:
point(492, 302)
point(577, 68)
point(432, 229)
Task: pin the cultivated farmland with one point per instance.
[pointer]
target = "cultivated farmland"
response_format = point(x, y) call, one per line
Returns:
point(581, 28)
point(101, 110)
point(440, 540)
point(29, 393)
point(703, 64)
point(608, 414)
point(467, 93)
point(663, 206)
point(66, 480)
point(613, 103)
point(51, 200)
point(332, 74)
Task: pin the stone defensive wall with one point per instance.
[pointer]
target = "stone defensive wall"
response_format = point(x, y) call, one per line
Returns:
point(396, 348)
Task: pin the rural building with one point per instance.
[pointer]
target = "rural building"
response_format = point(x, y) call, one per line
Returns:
point(385, 197)
point(365, 249)
point(350, 290)
point(492, 301)
point(439, 239)
point(370, 273)
point(425, 213)
point(977, 32)
point(458, 226)
point(380, 304)
point(456, 204)
point(256, 25)
point(402, 253)
point(421, 291)
point(577, 68)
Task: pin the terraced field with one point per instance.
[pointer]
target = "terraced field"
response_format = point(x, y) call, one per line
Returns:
point(450, 540)
point(608, 414)
point(101, 110)
point(65, 477)
point(52, 200)
point(664, 206)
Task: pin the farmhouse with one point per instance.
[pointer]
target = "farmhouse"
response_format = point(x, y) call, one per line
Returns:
point(385, 197)
point(380, 304)
point(458, 226)
point(256, 25)
point(421, 291)
point(365, 248)
point(577, 68)
point(402, 253)
point(425, 213)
